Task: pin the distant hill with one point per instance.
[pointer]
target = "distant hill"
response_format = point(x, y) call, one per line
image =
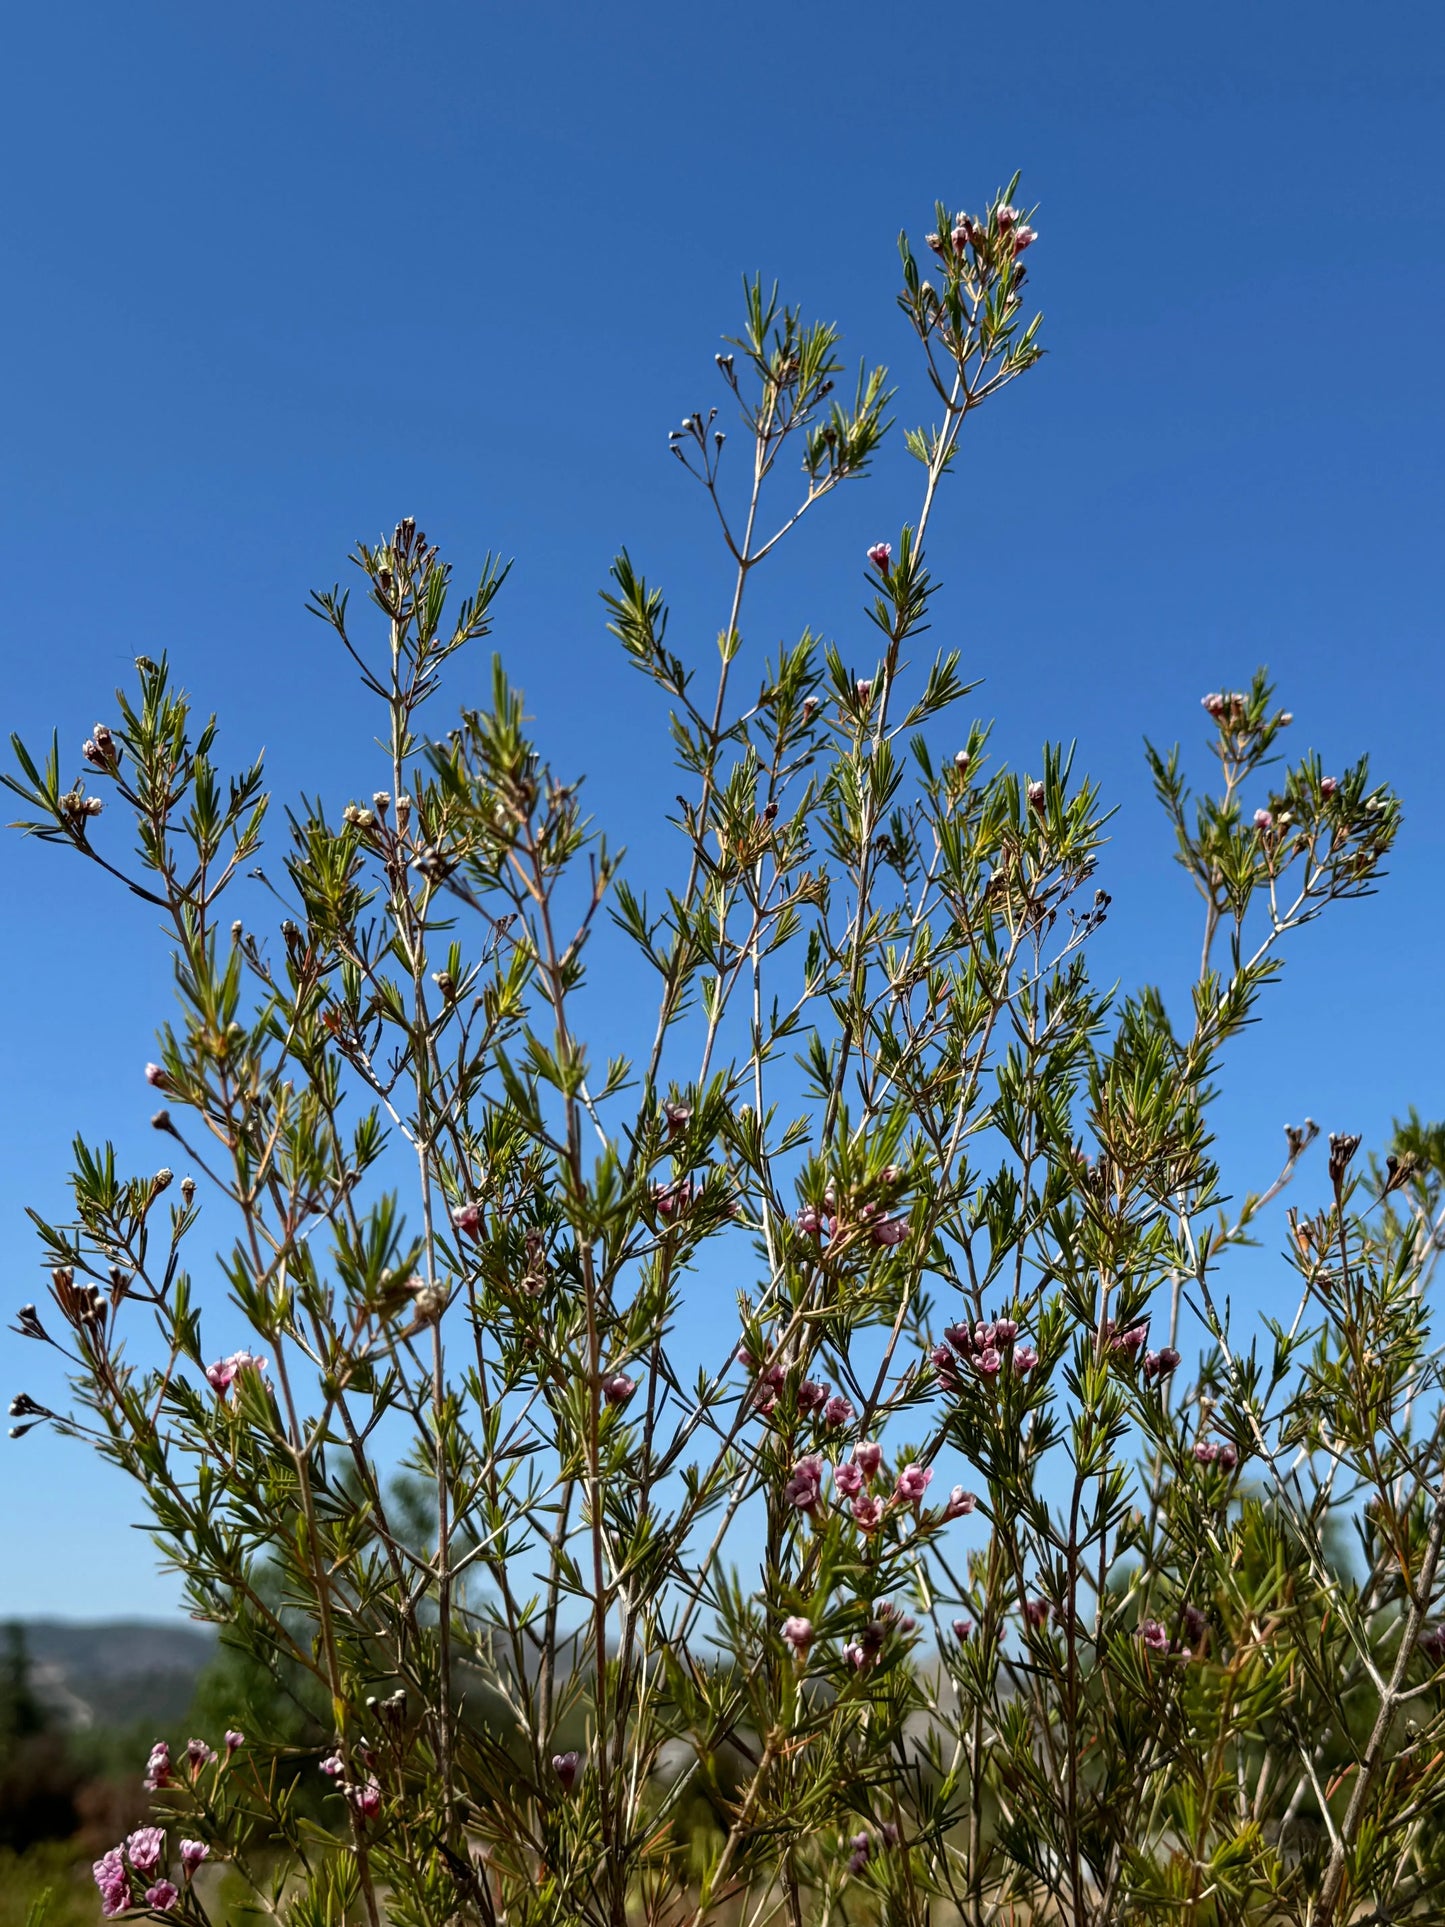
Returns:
point(116, 1673)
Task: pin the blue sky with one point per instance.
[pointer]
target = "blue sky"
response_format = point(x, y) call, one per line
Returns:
point(278, 275)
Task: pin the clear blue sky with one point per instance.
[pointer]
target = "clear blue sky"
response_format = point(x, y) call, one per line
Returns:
point(277, 275)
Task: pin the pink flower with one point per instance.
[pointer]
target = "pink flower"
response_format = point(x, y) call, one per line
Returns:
point(1154, 1635)
point(619, 1388)
point(1161, 1363)
point(869, 1456)
point(158, 1768)
point(224, 1373)
point(862, 1847)
point(1328, 786)
point(960, 1504)
point(881, 556)
point(1024, 1360)
point(114, 1883)
point(811, 1396)
point(1036, 1612)
point(1129, 1341)
point(1263, 821)
point(146, 1848)
point(989, 1362)
point(805, 1487)
point(1215, 704)
point(193, 1852)
point(837, 1412)
point(1228, 1457)
point(1206, 1451)
point(1005, 1331)
point(333, 1766)
point(1194, 1623)
point(1432, 1645)
point(1005, 215)
point(163, 1896)
point(913, 1481)
point(366, 1798)
point(157, 1078)
point(863, 689)
point(567, 1766)
point(678, 1117)
point(233, 1740)
point(1024, 238)
point(798, 1632)
point(888, 1231)
point(867, 1513)
point(467, 1218)
point(1037, 794)
point(198, 1754)
point(810, 1220)
point(963, 1630)
point(848, 1477)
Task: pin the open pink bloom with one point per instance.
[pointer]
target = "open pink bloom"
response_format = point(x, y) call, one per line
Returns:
point(837, 1412)
point(1024, 1360)
point(848, 1477)
point(888, 1231)
point(366, 1798)
point(146, 1848)
point(989, 1362)
point(867, 1513)
point(805, 1487)
point(811, 1396)
point(158, 1768)
point(869, 1456)
point(1024, 237)
point(467, 1218)
point(567, 1766)
point(234, 1739)
point(618, 1388)
point(1154, 1635)
point(881, 556)
point(1215, 704)
point(333, 1766)
point(913, 1481)
point(1206, 1451)
point(798, 1632)
point(1005, 214)
point(1129, 1341)
point(113, 1881)
point(225, 1371)
point(193, 1852)
point(198, 1754)
point(163, 1896)
point(960, 1504)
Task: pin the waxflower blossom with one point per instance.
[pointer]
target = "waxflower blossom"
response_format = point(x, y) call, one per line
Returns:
point(113, 1881)
point(145, 1849)
point(158, 1768)
point(198, 1754)
point(805, 1487)
point(567, 1766)
point(193, 1852)
point(1024, 1360)
point(1024, 237)
point(963, 1630)
point(233, 1740)
point(467, 1218)
point(333, 1766)
point(1036, 1612)
point(798, 1632)
point(868, 1455)
point(888, 1231)
point(1154, 1635)
point(157, 1078)
point(862, 1846)
point(867, 1513)
point(366, 1798)
point(1328, 786)
point(837, 1412)
point(618, 1388)
point(881, 556)
point(224, 1373)
point(811, 1396)
point(960, 1504)
point(1129, 1341)
point(1037, 794)
point(848, 1477)
point(913, 1481)
point(163, 1896)
point(1263, 820)
point(1161, 1363)
point(1432, 1644)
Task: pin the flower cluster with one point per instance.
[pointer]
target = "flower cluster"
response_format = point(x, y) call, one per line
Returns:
point(984, 1348)
point(134, 1872)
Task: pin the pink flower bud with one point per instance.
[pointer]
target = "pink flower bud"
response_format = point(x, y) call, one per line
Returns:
point(158, 1766)
point(811, 1396)
point(798, 1632)
point(1036, 798)
point(863, 689)
point(1263, 821)
point(881, 556)
point(1036, 1612)
point(198, 1754)
point(618, 1388)
point(960, 1504)
point(366, 1798)
point(567, 1766)
point(157, 1078)
point(1006, 214)
point(233, 1740)
point(333, 1766)
point(1024, 238)
point(990, 1362)
point(963, 1630)
point(1328, 786)
point(1215, 704)
point(868, 1457)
